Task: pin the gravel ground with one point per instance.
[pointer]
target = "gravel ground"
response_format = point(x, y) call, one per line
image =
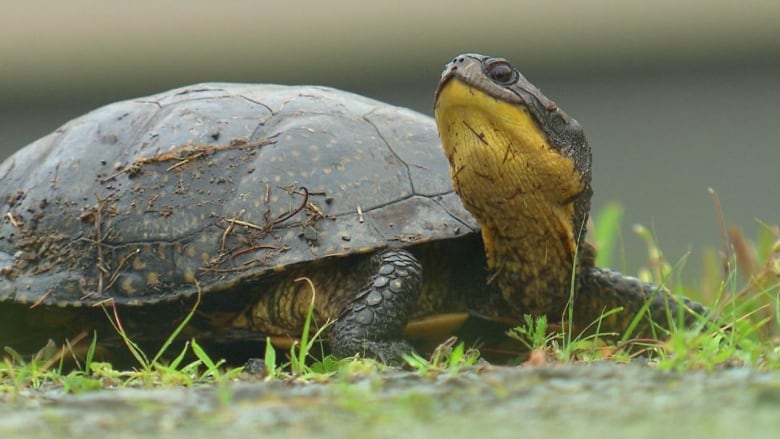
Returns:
point(604, 400)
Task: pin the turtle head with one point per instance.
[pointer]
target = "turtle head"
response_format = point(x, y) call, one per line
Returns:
point(520, 164)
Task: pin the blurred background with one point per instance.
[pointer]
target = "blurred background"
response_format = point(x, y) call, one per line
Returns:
point(675, 96)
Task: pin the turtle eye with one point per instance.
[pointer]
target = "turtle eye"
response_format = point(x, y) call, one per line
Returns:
point(500, 71)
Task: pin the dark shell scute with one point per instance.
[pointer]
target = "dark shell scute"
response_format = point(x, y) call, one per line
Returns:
point(216, 184)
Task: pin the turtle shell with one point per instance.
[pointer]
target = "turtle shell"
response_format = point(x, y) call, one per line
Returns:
point(214, 185)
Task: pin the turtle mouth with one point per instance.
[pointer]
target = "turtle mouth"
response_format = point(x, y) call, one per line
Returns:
point(446, 76)
point(458, 67)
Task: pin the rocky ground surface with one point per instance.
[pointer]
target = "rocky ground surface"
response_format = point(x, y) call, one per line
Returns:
point(572, 401)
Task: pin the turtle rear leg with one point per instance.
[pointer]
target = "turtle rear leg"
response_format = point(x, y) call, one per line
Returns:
point(601, 290)
point(372, 322)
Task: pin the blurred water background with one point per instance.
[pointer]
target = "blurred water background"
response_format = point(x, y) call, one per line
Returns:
point(675, 96)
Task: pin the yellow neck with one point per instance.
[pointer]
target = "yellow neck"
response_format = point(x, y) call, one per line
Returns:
point(518, 186)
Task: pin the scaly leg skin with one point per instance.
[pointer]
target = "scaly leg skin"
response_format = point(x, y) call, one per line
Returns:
point(602, 289)
point(373, 321)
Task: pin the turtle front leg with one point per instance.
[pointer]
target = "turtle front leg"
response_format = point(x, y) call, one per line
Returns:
point(372, 322)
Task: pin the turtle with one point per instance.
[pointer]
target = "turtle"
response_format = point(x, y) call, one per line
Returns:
point(254, 202)
point(231, 192)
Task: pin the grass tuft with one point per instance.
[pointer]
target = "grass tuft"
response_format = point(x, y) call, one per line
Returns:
point(450, 356)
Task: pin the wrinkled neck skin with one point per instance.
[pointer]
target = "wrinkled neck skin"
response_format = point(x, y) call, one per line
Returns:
point(522, 191)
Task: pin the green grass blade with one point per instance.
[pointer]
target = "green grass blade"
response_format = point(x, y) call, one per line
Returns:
point(606, 233)
point(90, 353)
point(180, 327)
point(212, 368)
point(269, 359)
point(179, 358)
point(134, 349)
point(298, 360)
